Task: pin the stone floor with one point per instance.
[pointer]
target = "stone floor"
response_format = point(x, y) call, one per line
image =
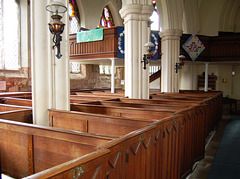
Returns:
point(203, 167)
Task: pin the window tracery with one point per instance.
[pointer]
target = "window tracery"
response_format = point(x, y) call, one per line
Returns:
point(106, 18)
point(73, 17)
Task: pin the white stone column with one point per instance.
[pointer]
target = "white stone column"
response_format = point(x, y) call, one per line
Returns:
point(206, 78)
point(62, 76)
point(136, 17)
point(50, 78)
point(112, 75)
point(170, 50)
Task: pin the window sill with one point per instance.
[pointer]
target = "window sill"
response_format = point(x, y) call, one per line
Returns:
point(22, 73)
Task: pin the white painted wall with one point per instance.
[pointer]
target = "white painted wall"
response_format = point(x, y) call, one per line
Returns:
point(155, 84)
point(230, 88)
point(209, 16)
point(236, 82)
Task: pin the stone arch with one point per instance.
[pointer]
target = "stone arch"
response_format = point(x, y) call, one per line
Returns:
point(81, 13)
point(170, 14)
point(113, 6)
point(228, 15)
point(190, 17)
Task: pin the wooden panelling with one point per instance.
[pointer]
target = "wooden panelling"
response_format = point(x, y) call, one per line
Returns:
point(224, 47)
point(157, 138)
point(211, 82)
point(107, 48)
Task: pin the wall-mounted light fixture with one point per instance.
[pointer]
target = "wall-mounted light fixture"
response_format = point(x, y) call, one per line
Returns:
point(147, 56)
point(56, 26)
point(179, 65)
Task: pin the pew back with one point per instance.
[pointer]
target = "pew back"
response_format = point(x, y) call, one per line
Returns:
point(121, 111)
point(6, 107)
point(95, 123)
point(27, 149)
point(17, 101)
point(24, 115)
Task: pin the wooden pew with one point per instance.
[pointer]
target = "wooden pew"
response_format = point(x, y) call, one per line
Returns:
point(79, 100)
point(194, 118)
point(132, 155)
point(145, 153)
point(6, 107)
point(121, 111)
point(17, 101)
point(27, 149)
point(23, 97)
point(212, 100)
point(24, 115)
point(168, 144)
point(93, 165)
point(128, 155)
point(160, 103)
point(95, 123)
point(92, 98)
point(140, 105)
point(100, 94)
point(9, 94)
point(193, 137)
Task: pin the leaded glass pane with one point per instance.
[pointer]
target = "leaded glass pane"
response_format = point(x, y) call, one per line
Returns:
point(11, 35)
point(75, 67)
point(74, 26)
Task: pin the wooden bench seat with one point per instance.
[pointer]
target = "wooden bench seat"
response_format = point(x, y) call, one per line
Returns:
point(140, 105)
point(27, 149)
point(151, 102)
point(92, 98)
point(17, 101)
point(100, 94)
point(23, 97)
point(13, 94)
point(7, 107)
point(80, 100)
point(121, 111)
point(24, 115)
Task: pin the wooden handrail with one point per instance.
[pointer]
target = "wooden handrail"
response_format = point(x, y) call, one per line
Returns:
point(155, 76)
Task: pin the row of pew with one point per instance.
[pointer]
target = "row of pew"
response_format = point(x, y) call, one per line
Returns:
point(108, 136)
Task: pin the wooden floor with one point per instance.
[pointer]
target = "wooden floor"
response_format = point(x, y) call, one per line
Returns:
point(202, 169)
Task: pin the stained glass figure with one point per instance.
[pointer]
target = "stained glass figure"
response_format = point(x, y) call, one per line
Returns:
point(106, 18)
point(73, 17)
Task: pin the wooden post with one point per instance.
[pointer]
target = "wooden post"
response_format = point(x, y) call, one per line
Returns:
point(206, 78)
point(0, 167)
point(112, 76)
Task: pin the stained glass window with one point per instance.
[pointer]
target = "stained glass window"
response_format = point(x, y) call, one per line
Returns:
point(106, 18)
point(9, 35)
point(73, 17)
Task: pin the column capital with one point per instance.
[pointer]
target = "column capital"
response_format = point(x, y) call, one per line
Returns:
point(171, 34)
point(136, 12)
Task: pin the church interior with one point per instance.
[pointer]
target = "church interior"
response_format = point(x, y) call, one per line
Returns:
point(118, 88)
